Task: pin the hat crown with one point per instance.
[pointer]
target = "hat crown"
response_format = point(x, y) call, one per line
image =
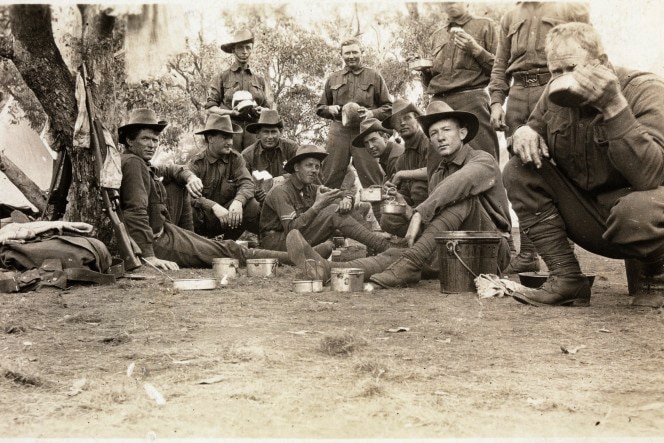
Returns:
point(401, 104)
point(309, 149)
point(437, 107)
point(368, 123)
point(145, 116)
point(269, 117)
point(216, 122)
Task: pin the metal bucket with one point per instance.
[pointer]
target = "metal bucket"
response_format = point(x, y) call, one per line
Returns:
point(393, 207)
point(225, 266)
point(308, 285)
point(262, 267)
point(373, 193)
point(463, 256)
point(347, 279)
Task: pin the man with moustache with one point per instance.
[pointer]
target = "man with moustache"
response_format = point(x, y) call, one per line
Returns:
point(300, 203)
point(364, 86)
point(144, 204)
point(463, 55)
point(271, 151)
point(466, 194)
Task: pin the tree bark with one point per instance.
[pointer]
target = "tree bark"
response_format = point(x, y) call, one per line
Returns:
point(29, 189)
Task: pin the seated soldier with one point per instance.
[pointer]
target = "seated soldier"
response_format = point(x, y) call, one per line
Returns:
point(271, 151)
point(143, 200)
point(315, 210)
point(589, 166)
point(467, 194)
point(375, 138)
point(224, 200)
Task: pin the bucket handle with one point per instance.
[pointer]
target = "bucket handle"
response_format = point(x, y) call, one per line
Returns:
point(452, 247)
point(311, 263)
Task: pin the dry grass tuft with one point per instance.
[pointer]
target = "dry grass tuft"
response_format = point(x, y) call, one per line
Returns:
point(371, 389)
point(22, 377)
point(377, 369)
point(342, 344)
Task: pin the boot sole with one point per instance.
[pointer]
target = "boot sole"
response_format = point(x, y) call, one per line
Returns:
point(575, 302)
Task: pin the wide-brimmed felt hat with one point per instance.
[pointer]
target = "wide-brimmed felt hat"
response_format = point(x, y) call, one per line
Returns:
point(305, 151)
point(400, 107)
point(219, 123)
point(440, 110)
point(367, 127)
point(140, 117)
point(269, 117)
point(241, 36)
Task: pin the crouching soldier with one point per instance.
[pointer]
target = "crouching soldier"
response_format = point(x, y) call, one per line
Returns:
point(143, 200)
point(467, 194)
point(315, 210)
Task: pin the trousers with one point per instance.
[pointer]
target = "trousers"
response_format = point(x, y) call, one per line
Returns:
point(208, 225)
point(340, 151)
point(619, 224)
point(520, 104)
point(477, 102)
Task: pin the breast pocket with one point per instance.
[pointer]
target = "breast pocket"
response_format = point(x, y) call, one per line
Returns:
point(442, 58)
point(365, 95)
point(339, 93)
point(517, 36)
point(257, 91)
point(559, 138)
point(545, 26)
point(467, 61)
point(230, 86)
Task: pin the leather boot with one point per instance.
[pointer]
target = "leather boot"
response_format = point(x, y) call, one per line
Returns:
point(566, 285)
point(401, 273)
point(523, 262)
point(650, 291)
point(317, 268)
point(349, 227)
point(325, 249)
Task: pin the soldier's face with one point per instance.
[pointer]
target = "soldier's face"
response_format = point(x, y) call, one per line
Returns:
point(220, 143)
point(375, 144)
point(243, 52)
point(447, 137)
point(145, 144)
point(408, 125)
point(307, 170)
point(455, 9)
point(566, 56)
point(352, 56)
point(269, 137)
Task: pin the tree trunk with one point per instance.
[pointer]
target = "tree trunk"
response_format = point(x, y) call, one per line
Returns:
point(29, 189)
point(44, 71)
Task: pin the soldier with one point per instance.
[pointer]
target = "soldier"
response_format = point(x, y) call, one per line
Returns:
point(143, 200)
point(239, 91)
point(466, 194)
point(224, 200)
point(299, 203)
point(271, 151)
point(520, 56)
point(364, 86)
point(463, 55)
point(591, 168)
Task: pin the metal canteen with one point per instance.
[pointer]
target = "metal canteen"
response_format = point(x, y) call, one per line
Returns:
point(562, 91)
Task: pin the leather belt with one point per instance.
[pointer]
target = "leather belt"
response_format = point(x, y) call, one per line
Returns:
point(463, 91)
point(529, 79)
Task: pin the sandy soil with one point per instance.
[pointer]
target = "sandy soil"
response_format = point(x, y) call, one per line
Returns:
point(282, 364)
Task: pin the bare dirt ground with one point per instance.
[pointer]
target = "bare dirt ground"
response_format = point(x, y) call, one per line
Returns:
point(464, 368)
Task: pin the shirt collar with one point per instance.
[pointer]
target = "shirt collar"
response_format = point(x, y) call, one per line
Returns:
point(211, 160)
point(460, 21)
point(297, 183)
point(358, 72)
point(459, 158)
point(416, 141)
point(235, 66)
point(261, 149)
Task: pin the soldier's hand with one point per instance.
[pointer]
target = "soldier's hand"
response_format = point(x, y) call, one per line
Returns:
point(222, 214)
point(235, 214)
point(345, 205)
point(529, 146)
point(326, 198)
point(413, 228)
point(396, 179)
point(498, 117)
point(334, 110)
point(466, 43)
point(195, 187)
point(162, 264)
point(364, 113)
point(601, 88)
point(259, 194)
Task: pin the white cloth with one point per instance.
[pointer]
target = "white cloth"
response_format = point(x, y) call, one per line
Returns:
point(20, 232)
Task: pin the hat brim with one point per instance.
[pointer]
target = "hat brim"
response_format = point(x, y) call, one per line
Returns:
point(358, 141)
point(253, 128)
point(236, 130)
point(290, 164)
point(228, 47)
point(466, 119)
point(159, 126)
point(388, 123)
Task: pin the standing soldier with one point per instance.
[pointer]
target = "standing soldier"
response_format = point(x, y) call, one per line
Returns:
point(520, 57)
point(364, 86)
point(238, 91)
point(462, 60)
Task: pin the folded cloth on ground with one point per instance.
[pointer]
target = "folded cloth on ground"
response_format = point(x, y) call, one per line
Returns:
point(490, 285)
point(19, 232)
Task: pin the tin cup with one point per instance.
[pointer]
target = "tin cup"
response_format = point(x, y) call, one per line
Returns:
point(262, 267)
point(347, 279)
point(225, 267)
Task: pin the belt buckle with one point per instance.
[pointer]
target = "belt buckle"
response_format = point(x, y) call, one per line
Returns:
point(531, 80)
